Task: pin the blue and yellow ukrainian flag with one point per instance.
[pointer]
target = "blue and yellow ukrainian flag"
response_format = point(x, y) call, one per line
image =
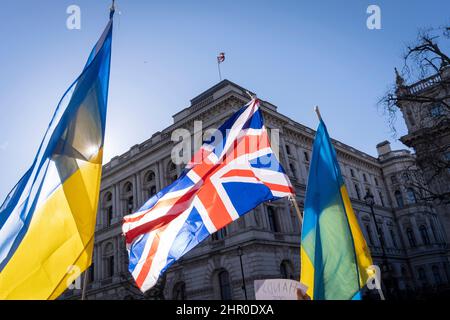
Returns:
point(334, 254)
point(47, 221)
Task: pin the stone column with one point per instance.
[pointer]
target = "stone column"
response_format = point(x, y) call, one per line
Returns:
point(139, 189)
point(161, 174)
point(117, 210)
point(416, 231)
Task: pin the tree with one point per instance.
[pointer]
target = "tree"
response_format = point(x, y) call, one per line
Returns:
point(425, 105)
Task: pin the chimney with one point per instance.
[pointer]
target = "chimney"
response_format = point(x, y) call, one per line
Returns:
point(383, 148)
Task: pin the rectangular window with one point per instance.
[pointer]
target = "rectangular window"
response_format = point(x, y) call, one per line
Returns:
point(91, 273)
point(110, 266)
point(272, 219)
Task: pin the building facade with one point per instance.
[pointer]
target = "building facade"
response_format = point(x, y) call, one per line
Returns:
point(425, 106)
point(266, 239)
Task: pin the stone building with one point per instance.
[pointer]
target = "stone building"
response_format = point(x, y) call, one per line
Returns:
point(267, 238)
point(425, 109)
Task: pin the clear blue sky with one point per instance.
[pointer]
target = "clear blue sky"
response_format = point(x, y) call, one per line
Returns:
point(296, 54)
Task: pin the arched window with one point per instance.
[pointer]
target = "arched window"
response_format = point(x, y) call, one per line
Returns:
point(288, 149)
point(108, 260)
point(358, 192)
point(436, 275)
point(411, 195)
point(108, 208)
point(149, 177)
point(273, 223)
point(171, 172)
point(399, 199)
point(225, 285)
point(179, 291)
point(424, 234)
point(128, 197)
point(411, 238)
point(149, 184)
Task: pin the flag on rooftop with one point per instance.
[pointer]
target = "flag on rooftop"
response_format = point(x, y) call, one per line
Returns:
point(47, 221)
point(221, 57)
point(229, 176)
point(334, 255)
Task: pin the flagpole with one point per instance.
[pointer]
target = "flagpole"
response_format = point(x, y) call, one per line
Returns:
point(218, 67)
point(316, 109)
point(297, 209)
point(112, 10)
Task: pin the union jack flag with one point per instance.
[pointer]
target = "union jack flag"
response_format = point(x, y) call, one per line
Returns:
point(231, 174)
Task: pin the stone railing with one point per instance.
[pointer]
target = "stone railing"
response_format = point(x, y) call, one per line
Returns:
point(424, 84)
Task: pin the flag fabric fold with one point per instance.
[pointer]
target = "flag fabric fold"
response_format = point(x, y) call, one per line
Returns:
point(334, 254)
point(231, 174)
point(47, 221)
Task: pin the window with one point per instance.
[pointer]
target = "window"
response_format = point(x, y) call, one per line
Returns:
point(424, 234)
point(288, 150)
point(411, 195)
point(286, 270)
point(411, 238)
point(381, 198)
point(399, 199)
point(394, 179)
point(358, 192)
point(306, 155)
point(376, 182)
point(220, 234)
point(272, 219)
point(352, 173)
point(369, 234)
point(110, 266)
point(225, 286)
point(150, 177)
point(130, 205)
point(152, 191)
point(179, 291)
point(436, 275)
point(394, 240)
point(364, 177)
point(91, 277)
point(109, 215)
point(108, 208)
point(436, 110)
point(128, 200)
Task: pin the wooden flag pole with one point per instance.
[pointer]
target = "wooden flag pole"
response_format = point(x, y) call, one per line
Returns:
point(297, 210)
